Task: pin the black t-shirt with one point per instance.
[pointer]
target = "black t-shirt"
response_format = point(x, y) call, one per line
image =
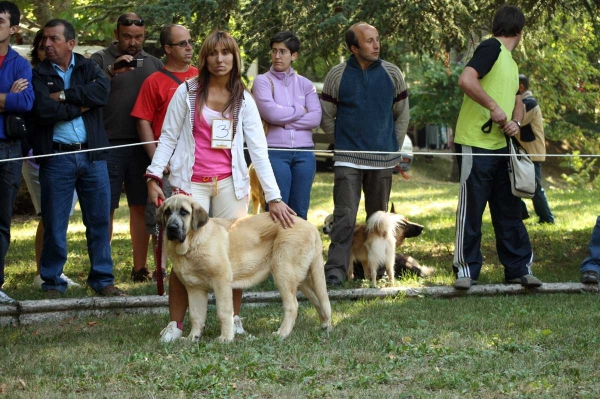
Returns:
point(485, 56)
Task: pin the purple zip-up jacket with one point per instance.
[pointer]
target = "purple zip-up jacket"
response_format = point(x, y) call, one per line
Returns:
point(292, 108)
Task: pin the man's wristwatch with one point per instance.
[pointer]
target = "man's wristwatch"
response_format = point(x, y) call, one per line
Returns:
point(61, 96)
point(275, 201)
point(517, 122)
point(109, 71)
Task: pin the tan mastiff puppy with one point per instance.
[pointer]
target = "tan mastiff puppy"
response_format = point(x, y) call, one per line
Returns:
point(212, 254)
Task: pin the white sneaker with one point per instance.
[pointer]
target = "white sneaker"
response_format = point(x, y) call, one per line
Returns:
point(37, 281)
point(5, 298)
point(170, 333)
point(238, 328)
point(70, 283)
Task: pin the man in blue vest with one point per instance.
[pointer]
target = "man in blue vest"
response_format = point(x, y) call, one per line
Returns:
point(365, 110)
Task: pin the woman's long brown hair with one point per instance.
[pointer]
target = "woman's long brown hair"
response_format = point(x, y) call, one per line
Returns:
point(235, 85)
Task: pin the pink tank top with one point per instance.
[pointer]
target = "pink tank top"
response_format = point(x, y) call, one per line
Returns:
point(210, 162)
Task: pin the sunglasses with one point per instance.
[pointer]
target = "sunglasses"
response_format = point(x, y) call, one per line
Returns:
point(183, 43)
point(129, 22)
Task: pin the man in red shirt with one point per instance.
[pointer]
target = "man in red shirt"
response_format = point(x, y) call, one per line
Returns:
point(156, 93)
point(158, 89)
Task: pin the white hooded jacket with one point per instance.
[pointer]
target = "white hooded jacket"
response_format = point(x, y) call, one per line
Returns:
point(176, 145)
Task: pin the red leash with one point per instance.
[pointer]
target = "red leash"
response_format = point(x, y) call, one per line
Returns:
point(403, 173)
point(160, 286)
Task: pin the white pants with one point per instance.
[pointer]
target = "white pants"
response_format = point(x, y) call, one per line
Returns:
point(219, 200)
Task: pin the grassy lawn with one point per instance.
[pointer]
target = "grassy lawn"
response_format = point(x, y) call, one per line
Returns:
point(534, 346)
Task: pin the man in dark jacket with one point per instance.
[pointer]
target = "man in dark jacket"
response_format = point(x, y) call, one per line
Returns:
point(70, 92)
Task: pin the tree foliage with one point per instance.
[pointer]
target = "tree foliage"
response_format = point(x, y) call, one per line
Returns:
point(430, 40)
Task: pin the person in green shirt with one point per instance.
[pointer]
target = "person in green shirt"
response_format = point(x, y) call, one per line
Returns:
point(492, 109)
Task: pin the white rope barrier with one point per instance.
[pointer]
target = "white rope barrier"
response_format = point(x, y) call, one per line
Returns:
point(419, 153)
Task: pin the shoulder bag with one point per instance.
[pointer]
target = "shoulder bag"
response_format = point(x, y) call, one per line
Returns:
point(521, 170)
point(14, 126)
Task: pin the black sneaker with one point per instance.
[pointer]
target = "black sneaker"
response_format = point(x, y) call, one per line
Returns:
point(141, 276)
point(590, 277)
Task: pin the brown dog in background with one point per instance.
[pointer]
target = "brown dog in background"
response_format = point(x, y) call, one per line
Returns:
point(374, 246)
point(256, 193)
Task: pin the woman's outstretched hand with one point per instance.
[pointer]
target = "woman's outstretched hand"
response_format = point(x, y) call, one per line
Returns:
point(280, 211)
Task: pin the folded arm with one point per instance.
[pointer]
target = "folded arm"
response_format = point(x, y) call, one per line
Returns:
point(93, 94)
point(271, 111)
point(20, 97)
point(47, 110)
point(312, 118)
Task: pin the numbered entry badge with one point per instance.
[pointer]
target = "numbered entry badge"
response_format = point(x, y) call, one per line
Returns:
point(222, 134)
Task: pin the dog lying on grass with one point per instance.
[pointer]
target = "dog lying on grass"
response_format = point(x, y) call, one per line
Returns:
point(402, 265)
point(213, 254)
point(374, 246)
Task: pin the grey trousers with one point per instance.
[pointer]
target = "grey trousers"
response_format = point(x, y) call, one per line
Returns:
point(376, 184)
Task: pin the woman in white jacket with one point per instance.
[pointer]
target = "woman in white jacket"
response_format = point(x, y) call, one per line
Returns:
point(202, 141)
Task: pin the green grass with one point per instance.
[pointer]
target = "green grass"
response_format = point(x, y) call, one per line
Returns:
point(427, 198)
point(501, 347)
point(530, 346)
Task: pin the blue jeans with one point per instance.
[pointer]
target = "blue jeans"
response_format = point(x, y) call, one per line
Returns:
point(592, 262)
point(59, 176)
point(10, 180)
point(295, 173)
point(540, 202)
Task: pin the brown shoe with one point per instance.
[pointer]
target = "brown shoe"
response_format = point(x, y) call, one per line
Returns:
point(111, 290)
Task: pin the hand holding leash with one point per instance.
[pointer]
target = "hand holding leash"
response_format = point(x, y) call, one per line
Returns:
point(511, 128)
point(155, 194)
point(498, 116)
point(280, 211)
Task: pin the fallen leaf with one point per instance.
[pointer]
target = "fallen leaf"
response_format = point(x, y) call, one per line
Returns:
point(93, 323)
point(3, 388)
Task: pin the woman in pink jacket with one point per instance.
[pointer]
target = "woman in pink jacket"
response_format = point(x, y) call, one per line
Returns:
point(290, 104)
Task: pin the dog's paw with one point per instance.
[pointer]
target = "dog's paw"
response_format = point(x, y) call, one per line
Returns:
point(194, 337)
point(280, 334)
point(225, 340)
